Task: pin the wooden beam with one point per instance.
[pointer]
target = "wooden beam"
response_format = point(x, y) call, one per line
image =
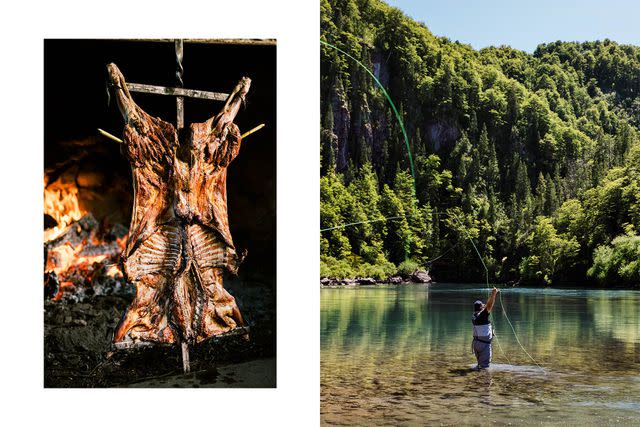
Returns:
point(250, 42)
point(177, 91)
point(254, 42)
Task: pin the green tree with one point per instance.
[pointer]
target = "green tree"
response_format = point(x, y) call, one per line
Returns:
point(498, 135)
point(541, 194)
point(549, 252)
point(397, 242)
point(618, 262)
point(364, 189)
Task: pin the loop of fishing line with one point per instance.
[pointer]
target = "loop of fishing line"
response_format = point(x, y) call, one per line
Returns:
point(504, 311)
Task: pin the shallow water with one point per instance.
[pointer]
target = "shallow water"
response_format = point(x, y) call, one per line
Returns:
point(402, 355)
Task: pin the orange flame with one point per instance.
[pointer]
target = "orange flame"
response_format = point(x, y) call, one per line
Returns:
point(61, 203)
point(85, 255)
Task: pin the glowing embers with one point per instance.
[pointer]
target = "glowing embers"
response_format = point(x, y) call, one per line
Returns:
point(81, 256)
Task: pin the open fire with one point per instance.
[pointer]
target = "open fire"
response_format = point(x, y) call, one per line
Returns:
point(81, 254)
point(61, 206)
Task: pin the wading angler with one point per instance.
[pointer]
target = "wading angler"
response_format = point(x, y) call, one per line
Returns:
point(483, 331)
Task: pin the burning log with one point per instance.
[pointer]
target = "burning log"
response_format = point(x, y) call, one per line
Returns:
point(51, 285)
point(179, 242)
point(81, 257)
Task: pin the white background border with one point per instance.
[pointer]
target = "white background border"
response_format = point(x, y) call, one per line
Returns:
point(295, 25)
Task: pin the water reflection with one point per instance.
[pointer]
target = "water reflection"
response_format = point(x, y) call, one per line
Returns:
point(405, 351)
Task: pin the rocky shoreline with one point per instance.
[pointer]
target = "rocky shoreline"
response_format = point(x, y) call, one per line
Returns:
point(418, 276)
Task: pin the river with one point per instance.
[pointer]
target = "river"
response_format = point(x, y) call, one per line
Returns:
point(401, 355)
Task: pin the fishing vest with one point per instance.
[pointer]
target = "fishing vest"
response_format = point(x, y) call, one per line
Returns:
point(482, 326)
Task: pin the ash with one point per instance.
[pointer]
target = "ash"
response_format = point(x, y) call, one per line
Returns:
point(78, 334)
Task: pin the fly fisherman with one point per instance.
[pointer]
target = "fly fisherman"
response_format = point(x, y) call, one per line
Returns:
point(482, 331)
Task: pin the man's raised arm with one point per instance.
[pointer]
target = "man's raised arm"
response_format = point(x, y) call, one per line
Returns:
point(492, 300)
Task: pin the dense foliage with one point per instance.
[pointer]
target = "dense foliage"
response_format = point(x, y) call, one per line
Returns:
point(533, 156)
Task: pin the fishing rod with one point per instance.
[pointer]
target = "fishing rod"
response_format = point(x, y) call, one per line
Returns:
point(365, 222)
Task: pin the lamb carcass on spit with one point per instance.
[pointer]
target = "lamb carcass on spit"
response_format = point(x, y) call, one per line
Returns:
point(179, 242)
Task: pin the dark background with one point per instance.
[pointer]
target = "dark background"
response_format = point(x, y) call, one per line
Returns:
point(76, 105)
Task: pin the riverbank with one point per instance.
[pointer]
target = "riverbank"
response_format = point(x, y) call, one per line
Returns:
point(425, 277)
point(418, 276)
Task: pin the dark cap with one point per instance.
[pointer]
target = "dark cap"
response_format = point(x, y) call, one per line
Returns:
point(477, 306)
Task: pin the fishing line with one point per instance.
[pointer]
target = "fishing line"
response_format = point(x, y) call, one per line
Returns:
point(431, 261)
point(388, 218)
point(393, 106)
point(367, 222)
point(487, 276)
point(504, 311)
point(516, 336)
point(395, 218)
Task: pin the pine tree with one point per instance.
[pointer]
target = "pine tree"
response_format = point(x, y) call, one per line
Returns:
point(364, 189)
point(460, 160)
point(523, 185)
point(559, 183)
point(541, 193)
point(364, 151)
point(398, 234)
point(551, 197)
point(327, 139)
point(418, 223)
point(493, 171)
point(333, 198)
point(473, 124)
point(349, 172)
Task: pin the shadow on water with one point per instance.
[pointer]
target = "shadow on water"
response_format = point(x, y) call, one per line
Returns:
point(501, 367)
point(461, 372)
point(398, 350)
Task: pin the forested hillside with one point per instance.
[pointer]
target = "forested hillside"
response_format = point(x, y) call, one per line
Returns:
point(535, 156)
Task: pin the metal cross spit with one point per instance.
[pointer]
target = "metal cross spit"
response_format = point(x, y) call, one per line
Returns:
point(179, 92)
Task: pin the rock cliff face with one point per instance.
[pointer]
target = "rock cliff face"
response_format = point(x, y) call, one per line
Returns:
point(360, 123)
point(381, 66)
point(341, 126)
point(363, 121)
point(441, 133)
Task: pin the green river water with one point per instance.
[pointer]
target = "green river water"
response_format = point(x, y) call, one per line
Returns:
point(401, 355)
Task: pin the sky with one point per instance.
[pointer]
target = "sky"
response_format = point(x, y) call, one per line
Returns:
point(525, 24)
